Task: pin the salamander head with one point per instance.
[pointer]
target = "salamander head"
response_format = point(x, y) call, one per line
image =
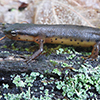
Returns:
point(11, 33)
point(20, 29)
point(15, 33)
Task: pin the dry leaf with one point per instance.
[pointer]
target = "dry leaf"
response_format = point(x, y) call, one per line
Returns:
point(65, 12)
point(80, 12)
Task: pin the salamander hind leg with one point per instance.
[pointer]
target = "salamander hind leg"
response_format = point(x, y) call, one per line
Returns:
point(95, 51)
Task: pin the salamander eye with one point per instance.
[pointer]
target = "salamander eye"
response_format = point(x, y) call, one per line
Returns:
point(13, 33)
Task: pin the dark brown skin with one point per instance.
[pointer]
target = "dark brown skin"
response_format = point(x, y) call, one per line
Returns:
point(57, 34)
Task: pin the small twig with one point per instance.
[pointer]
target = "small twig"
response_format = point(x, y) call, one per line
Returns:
point(2, 38)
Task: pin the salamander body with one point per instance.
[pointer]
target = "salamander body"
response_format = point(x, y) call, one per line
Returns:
point(56, 34)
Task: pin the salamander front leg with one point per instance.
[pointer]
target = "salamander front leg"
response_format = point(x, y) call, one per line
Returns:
point(95, 51)
point(37, 53)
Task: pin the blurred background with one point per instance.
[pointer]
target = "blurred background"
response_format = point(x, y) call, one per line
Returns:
point(80, 12)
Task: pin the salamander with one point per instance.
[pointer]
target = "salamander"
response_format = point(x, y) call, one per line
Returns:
point(56, 34)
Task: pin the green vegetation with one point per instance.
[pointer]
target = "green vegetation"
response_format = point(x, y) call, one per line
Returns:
point(75, 84)
point(76, 87)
